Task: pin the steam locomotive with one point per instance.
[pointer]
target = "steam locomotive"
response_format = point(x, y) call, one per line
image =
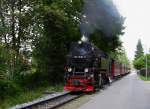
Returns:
point(88, 68)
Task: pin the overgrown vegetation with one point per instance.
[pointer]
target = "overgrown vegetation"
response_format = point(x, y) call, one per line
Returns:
point(35, 36)
point(27, 95)
point(144, 78)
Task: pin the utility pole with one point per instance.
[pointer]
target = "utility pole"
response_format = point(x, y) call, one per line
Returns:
point(146, 66)
point(146, 63)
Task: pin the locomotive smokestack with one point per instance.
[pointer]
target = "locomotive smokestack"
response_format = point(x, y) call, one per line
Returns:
point(99, 15)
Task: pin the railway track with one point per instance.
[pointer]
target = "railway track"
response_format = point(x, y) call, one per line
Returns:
point(49, 102)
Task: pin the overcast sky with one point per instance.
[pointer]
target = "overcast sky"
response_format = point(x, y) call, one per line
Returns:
point(137, 13)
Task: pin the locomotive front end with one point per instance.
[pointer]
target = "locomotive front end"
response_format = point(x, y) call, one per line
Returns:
point(79, 76)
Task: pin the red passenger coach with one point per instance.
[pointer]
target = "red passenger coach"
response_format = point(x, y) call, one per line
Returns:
point(116, 69)
point(125, 70)
point(119, 69)
point(122, 69)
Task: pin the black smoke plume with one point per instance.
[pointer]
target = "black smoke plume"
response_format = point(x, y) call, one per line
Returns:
point(99, 15)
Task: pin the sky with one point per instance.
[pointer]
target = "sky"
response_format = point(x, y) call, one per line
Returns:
point(137, 14)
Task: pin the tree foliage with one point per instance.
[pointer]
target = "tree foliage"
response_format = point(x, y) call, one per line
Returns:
point(107, 44)
point(122, 57)
point(139, 50)
point(141, 62)
point(17, 34)
point(60, 25)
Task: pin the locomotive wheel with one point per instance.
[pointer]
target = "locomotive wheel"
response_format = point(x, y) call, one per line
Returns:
point(99, 82)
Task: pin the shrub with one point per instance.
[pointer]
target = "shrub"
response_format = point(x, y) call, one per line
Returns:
point(8, 88)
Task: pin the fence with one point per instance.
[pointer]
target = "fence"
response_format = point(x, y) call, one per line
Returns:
point(143, 72)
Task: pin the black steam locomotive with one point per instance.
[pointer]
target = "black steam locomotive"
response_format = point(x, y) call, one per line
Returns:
point(89, 68)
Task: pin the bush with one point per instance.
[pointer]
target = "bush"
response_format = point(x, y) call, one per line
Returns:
point(30, 80)
point(143, 72)
point(8, 88)
point(140, 62)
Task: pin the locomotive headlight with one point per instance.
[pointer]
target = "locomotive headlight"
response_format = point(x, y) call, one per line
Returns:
point(92, 75)
point(69, 69)
point(86, 70)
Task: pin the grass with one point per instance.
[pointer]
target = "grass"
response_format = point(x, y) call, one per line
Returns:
point(144, 78)
point(26, 96)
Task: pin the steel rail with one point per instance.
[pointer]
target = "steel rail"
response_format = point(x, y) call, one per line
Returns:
point(49, 102)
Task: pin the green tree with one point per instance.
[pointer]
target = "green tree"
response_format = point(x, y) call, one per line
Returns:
point(17, 31)
point(60, 28)
point(107, 44)
point(122, 57)
point(141, 62)
point(139, 50)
